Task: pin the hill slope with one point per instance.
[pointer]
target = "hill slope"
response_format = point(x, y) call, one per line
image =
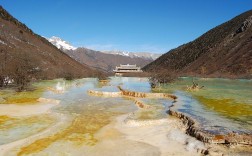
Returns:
point(102, 61)
point(20, 44)
point(224, 51)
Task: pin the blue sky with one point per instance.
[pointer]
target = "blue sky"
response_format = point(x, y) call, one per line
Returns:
point(128, 25)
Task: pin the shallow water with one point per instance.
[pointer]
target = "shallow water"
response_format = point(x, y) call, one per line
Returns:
point(221, 106)
point(87, 116)
point(13, 128)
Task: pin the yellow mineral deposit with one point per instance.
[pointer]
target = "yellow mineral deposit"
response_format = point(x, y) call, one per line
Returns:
point(25, 97)
point(43, 106)
point(4, 118)
point(81, 132)
point(227, 107)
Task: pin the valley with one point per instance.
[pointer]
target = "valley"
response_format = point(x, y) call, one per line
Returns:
point(60, 99)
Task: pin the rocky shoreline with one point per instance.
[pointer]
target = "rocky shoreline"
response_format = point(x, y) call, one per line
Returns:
point(193, 130)
point(218, 144)
point(146, 95)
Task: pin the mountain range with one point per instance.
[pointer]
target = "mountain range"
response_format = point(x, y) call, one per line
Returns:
point(224, 51)
point(19, 44)
point(104, 61)
point(145, 55)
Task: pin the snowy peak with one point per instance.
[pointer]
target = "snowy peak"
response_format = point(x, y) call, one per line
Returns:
point(61, 44)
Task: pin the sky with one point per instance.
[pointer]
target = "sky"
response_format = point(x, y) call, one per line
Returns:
point(126, 25)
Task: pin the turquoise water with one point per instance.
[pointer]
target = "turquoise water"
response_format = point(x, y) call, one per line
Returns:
point(221, 106)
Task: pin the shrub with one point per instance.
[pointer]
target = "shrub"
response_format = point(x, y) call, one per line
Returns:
point(69, 76)
point(161, 77)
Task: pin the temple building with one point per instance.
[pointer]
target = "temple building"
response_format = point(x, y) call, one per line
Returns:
point(127, 69)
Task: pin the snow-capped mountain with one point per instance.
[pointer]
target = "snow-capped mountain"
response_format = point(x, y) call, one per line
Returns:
point(65, 46)
point(145, 55)
point(61, 44)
